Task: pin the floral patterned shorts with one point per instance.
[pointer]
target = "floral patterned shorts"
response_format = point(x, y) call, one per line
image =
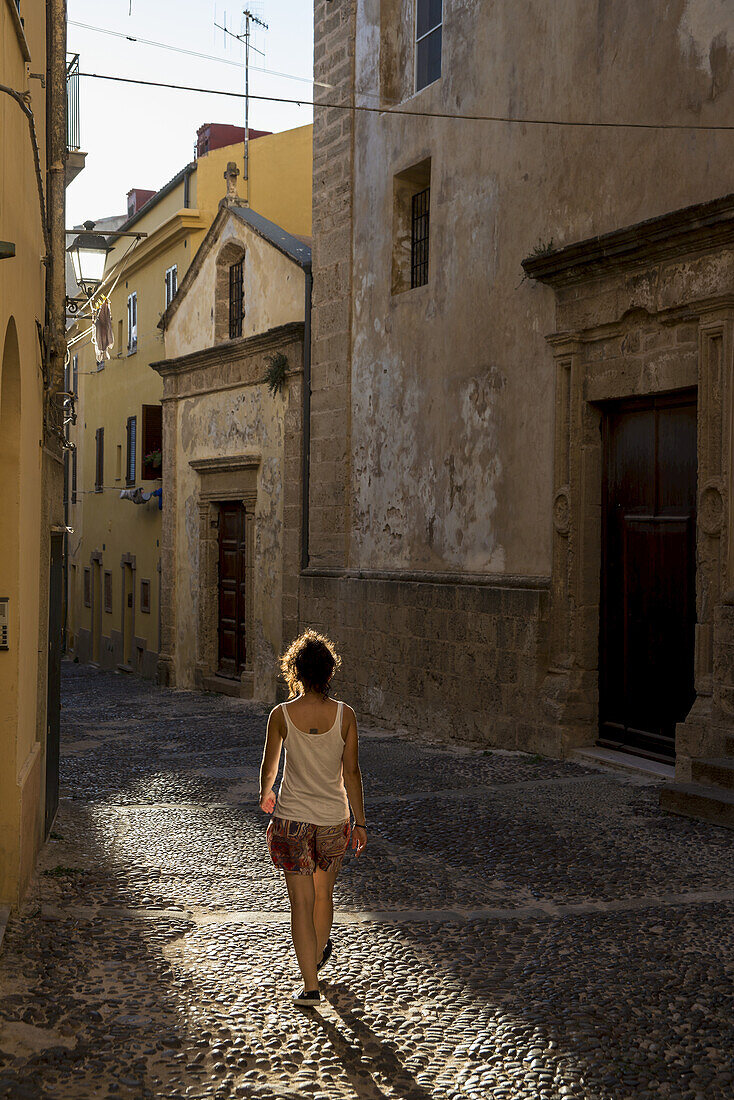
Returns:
point(299, 847)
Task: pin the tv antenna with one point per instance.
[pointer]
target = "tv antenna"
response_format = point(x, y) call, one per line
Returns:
point(249, 17)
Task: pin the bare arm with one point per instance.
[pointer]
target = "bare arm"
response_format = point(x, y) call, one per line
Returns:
point(271, 759)
point(353, 780)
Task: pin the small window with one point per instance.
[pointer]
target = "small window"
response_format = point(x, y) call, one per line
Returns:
point(118, 463)
point(236, 299)
point(99, 461)
point(145, 597)
point(108, 592)
point(152, 443)
point(87, 587)
point(74, 454)
point(428, 30)
point(171, 284)
point(411, 227)
point(75, 375)
point(132, 438)
point(132, 323)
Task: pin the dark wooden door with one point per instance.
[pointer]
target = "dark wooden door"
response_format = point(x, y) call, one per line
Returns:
point(232, 588)
point(648, 599)
point(53, 682)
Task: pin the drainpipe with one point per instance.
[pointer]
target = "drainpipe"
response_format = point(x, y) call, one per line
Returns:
point(306, 426)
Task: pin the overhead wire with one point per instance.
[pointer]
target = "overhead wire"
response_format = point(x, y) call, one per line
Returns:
point(404, 112)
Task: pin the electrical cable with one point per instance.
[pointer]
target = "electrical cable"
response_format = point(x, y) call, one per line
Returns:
point(195, 53)
point(22, 99)
point(354, 108)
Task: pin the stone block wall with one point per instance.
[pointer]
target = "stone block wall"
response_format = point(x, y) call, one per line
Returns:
point(332, 285)
point(454, 659)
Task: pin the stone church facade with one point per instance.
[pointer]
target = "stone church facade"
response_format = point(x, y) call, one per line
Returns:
point(457, 480)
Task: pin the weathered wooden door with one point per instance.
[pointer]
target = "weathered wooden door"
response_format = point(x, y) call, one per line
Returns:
point(648, 602)
point(232, 589)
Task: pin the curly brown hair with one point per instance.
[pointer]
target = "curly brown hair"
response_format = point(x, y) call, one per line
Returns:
point(309, 663)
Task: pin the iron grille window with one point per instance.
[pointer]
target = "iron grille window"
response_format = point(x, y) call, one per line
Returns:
point(99, 463)
point(419, 238)
point(428, 32)
point(132, 439)
point(236, 299)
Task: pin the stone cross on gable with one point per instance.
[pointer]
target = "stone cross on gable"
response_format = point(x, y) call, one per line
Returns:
point(231, 174)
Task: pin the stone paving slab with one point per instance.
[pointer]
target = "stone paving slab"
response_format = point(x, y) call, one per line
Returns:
point(518, 927)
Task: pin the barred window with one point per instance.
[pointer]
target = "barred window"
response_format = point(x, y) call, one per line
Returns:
point(419, 238)
point(236, 299)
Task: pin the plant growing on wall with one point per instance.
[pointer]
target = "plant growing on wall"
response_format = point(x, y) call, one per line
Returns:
point(153, 459)
point(275, 372)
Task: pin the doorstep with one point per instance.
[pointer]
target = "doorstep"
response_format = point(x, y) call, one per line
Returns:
point(613, 760)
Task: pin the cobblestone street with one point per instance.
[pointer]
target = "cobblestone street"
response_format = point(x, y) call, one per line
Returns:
point(518, 927)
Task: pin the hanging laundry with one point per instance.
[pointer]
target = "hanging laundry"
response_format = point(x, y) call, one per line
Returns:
point(137, 496)
point(102, 336)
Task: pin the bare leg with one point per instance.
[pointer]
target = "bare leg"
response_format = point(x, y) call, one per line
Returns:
point(301, 894)
point(323, 908)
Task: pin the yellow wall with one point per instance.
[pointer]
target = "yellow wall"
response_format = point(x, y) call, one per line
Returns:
point(21, 427)
point(280, 170)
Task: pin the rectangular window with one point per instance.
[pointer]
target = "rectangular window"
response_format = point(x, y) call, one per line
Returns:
point(99, 461)
point(75, 375)
point(152, 443)
point(87, 587)
point(118, 463)
point(73, 475)
point(132, 323)
point(132, 439)
point(428, 30)
point(411, 227)
point(145, 596)
point(108, 592)
point(171, 284)
point(419, 238)
point(236, 299)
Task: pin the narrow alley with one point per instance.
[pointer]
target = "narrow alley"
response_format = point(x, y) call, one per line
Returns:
point(486, 944)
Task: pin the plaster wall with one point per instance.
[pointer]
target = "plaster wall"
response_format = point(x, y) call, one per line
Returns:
point(451, 383)
point(274, 293)
point(22, 563)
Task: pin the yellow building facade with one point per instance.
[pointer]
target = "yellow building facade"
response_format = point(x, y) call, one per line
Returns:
point(31, 513)
point(114, 578)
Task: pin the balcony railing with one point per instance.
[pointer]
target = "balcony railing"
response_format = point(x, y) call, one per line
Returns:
point(73, 140)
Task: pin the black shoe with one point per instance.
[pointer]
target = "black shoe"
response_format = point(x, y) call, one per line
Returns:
point(308, 998)
point(326, 955)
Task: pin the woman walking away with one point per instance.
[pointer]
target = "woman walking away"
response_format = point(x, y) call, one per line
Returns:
point(309, 831)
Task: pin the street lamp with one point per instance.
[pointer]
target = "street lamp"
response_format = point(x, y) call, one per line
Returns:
point(89, 254)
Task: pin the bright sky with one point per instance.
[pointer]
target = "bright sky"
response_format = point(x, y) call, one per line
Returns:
point(140, 137)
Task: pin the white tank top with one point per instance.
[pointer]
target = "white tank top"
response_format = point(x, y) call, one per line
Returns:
point(312, 788)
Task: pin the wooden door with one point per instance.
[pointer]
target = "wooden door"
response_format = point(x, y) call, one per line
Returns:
point(232, 589)
point(648, 600)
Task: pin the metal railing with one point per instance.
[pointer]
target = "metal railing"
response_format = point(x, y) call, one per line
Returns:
point(73, 140)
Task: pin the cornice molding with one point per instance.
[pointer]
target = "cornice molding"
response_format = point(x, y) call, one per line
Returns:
point(692, 229)
point(231, 351)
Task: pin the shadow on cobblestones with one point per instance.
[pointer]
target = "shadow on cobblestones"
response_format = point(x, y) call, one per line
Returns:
point(518, 927)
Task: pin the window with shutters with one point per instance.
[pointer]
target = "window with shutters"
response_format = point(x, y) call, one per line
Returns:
point(145, 596)
point(132, 439)
point(152, 453)
point(236, 299)
point(87, 587)
point(428, 32)
point(108, 592)
point(132, 323)
point(99, 460)
point(171, 284)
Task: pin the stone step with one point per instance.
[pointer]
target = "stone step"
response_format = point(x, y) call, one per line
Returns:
point(714, 772)
point(712, 804)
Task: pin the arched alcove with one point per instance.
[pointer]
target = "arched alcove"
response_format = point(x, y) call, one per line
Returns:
point(231, 253)
point(10, 512)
